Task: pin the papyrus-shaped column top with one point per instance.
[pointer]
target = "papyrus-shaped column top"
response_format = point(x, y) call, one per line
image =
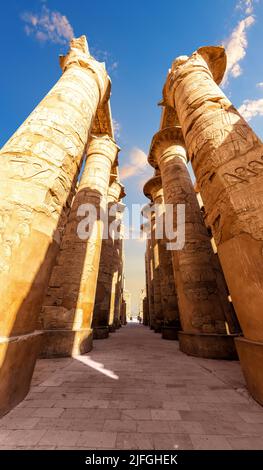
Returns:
point(163, 140)
point(153, 187)
point(211, 59)
point(79, 56)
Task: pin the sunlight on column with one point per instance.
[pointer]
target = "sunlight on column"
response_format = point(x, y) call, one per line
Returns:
point(97, 366)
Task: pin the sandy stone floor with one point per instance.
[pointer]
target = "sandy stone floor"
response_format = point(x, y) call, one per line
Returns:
point(135, 391)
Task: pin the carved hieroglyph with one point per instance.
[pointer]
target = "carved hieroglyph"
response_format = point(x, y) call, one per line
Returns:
point(196, 286)
point(38, 169)
point(110, 266)
point(74, 277)
point(153, 190)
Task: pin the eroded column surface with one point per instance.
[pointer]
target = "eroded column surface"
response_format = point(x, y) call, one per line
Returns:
point(68, 307)
point(157, 318)
point(38, 170)
point(103, 318)
point(145, 311)
point(119, 284)
point(171, 322)
point(150, 291)
point(230, 315)
point(123, 312)
point(201, 313)
point(146, 301)
point(227, 159)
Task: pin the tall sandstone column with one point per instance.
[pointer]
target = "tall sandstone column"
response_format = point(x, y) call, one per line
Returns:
point(171, 323)
point(227, 159)
point(74, 277)
point(201, 313)
point(114, 315)
point(157, 318)
point(119, 285)
point(146, 301)
point(103, 316)
point(123, 319)
point(230, 315)
point(39, 166)
point(149, 271)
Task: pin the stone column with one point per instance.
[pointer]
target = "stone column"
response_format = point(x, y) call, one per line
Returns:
point(118, 289)
point(119, 267)
point(123, 312)
point(145, 312)
point(149, 271)
point(67, 314)
point(146, 301)
point(230, 315)
point(157, 318)
point(39, 166)
point(226, 156)
point(117, 194)
point(201, 314)
point(103, 317)
point(171, 323)
point(122, 307)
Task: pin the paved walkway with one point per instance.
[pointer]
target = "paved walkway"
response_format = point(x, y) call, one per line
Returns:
point(135, 391)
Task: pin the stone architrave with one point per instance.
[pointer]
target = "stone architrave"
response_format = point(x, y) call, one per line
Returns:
point(227, 158)
point(39, 167)
point(67, 314)
point(202, 317)
point(171, 323)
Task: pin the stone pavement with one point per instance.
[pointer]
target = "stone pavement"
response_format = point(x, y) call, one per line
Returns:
point(135, 391)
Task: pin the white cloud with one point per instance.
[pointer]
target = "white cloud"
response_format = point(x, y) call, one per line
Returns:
point(251, 108)
point(116, 128)
point(260, 85)
point(137, 164)
point(236, 47)
point(105, 56)
point(247, 6)
point(113, 66)
point(48, 26)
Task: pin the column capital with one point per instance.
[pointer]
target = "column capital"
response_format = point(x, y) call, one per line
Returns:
point(146, 208)
point(162, 140)
point(212, 58)
point(153, 187)
point(115, 191)
point(79, 55)
point(103, 144)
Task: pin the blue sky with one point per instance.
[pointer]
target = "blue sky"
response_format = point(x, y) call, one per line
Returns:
point(138, 40)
